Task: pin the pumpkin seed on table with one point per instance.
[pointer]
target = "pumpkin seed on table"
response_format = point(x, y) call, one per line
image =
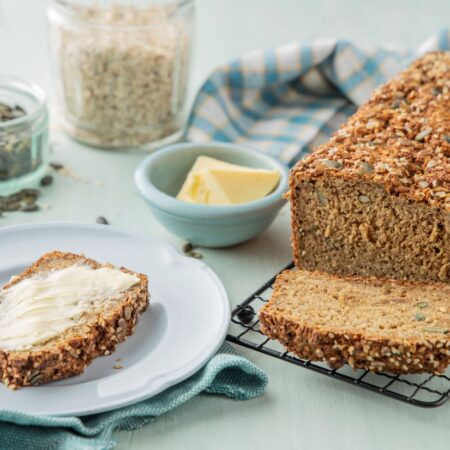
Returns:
point(187, 247)
point(196, 255)
point(14, 197)
point(189, 250)
point(29, 200)
point(30, 191)
point(11, 207)
point(47, 180)
point(30, 208)
point(23, 200)
point(56, 166)
point(246, 314)
point(102, 220)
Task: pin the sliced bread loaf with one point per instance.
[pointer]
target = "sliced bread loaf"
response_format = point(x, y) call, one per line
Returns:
point(379, 325)
point(97, 331)
point(375, 199)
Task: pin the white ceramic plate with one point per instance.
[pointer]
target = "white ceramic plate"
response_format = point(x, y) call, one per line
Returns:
point(183, 328)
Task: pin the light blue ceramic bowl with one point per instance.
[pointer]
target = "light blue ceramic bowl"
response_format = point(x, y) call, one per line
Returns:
point(160, 176)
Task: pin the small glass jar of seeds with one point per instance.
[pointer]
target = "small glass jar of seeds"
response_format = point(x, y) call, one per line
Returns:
point(23, 134)
point(121, 69)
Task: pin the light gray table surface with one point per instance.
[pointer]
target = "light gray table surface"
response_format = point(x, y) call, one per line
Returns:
point(300, 410)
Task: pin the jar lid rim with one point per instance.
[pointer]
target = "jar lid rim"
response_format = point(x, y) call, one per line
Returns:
point(64, 6)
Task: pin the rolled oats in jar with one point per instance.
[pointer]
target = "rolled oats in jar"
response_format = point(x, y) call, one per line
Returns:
point(121, 69)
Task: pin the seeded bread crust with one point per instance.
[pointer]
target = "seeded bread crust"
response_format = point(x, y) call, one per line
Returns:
point(387, 167)
point(399, 139)
point(69, 354)
point(360, 348)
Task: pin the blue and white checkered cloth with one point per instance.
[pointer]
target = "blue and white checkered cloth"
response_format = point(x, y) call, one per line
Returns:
point(288, 100)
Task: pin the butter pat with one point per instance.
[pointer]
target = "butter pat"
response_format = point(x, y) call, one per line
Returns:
point(214, 182)
point(37, 309)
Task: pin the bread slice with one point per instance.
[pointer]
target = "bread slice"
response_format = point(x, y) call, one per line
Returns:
point(375, 199)
point(379, 325)
point(69, 354)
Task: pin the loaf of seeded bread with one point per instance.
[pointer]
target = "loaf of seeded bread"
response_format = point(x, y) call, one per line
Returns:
point(70, 353)
point(378, 325)
point(375, 199)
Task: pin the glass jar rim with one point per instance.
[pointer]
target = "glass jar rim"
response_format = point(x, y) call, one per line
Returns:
point(31, 90)
point(64, 7)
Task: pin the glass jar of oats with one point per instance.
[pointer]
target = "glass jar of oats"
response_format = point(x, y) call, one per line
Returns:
point(121, 69)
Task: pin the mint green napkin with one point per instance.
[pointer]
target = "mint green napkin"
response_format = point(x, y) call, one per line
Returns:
point(227, 373)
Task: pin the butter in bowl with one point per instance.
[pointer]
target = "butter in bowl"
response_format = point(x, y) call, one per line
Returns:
point(215, 182)
point(212, 194)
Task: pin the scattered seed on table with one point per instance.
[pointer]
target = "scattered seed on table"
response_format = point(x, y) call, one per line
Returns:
point(56, 166)
point(195, 255)
point(29, 200)
point(102, 221)
point(246, 314)
point(11, 207)
point(13, 198)
point(29, 192)
point(30, 208)
point(117, 366)
point(47, 180)
point(188, 247)
point(23, 200)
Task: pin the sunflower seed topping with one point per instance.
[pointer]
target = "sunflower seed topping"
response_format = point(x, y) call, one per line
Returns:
point(366, 167)
point(322, 199)
point(419, 316)
point(423, 134)
point(363, 199)
point(436, 330)
point(422, 305)
point(332, 164)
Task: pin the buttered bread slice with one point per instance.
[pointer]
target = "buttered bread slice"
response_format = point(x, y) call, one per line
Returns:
point(378, 325)
point(61, 313)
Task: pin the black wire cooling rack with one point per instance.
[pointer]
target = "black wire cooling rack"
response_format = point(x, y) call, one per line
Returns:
point(419, 390)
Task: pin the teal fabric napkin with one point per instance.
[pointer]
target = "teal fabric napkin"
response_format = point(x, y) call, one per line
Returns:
point(227, 373)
